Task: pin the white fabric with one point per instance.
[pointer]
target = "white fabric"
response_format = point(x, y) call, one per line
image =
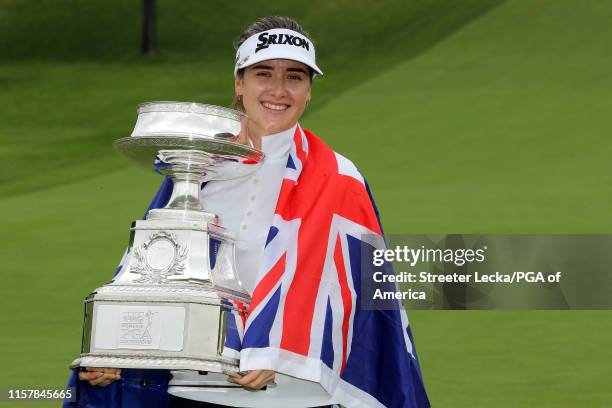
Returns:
point(246, 205)
point(279, 43)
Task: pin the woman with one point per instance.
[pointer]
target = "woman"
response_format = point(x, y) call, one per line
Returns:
point(295, 220)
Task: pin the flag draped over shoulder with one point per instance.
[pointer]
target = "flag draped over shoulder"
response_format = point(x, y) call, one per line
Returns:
point(305, 317)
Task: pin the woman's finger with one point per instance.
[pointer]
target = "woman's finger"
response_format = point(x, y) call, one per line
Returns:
point(87, 376)
point(254, 380)
point(264, 378)
point(97, 381)
point(106, 383)
point(235, 376)
point(113, 371)
point(247, 378)
point(103, 369)
point(103, 379)
point(94, 375)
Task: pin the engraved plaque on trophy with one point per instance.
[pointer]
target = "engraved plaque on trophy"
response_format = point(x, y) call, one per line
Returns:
point(167, 306)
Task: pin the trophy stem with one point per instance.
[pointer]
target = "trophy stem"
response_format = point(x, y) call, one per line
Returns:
point(187, 169)
point(186, 191)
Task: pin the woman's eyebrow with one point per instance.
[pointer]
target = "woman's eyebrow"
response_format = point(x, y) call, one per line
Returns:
point(262, 66)
point(297, 70)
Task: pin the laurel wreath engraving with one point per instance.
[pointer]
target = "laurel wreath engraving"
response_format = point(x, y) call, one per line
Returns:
point(149, 274)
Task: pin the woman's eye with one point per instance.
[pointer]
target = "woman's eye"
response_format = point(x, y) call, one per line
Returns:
point(263, 74)
point(295, 77)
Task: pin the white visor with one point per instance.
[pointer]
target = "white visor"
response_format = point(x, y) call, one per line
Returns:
point(279, 43)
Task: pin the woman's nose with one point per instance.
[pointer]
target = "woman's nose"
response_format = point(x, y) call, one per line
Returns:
point(278, 87)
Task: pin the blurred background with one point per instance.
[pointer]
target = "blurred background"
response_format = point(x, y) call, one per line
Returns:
point(466, 116)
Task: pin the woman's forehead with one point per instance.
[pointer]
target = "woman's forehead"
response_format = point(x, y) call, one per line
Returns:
point(279, 63)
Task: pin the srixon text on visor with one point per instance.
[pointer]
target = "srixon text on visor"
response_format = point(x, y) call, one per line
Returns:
point(266, 39)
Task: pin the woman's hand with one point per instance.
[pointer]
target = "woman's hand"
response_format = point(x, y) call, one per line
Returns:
point(255, 380)
point(100, 376)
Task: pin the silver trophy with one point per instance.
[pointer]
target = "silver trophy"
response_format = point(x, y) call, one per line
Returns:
point(169, 305)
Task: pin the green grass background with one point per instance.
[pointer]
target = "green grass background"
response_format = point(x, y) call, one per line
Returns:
point(468, 116)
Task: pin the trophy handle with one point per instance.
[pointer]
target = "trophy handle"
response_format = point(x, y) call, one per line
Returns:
point(223, 272)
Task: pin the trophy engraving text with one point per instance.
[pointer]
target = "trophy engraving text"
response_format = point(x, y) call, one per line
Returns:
point(136, 328)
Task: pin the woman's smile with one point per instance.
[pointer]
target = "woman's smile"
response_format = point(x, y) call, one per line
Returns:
point(275, 106)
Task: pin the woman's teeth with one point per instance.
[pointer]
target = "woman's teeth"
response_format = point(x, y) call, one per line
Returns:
point(274, 107)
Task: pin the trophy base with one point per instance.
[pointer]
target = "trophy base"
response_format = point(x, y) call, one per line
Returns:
point(173, 327)
point(154, 363)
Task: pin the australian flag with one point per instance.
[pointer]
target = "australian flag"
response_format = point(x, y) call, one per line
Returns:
point(305, 318)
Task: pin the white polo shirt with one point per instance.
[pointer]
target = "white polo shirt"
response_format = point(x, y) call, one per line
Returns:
point(246, 205)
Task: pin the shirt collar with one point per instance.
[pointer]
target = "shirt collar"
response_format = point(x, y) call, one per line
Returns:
point(276, 146)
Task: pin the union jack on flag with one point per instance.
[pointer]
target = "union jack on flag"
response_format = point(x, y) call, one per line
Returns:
point(305, 318)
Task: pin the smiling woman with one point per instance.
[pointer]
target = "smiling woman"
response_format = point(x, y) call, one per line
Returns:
point(298, 222)
point(275, 66)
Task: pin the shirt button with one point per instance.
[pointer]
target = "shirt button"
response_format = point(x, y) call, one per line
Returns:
point(252, 198)
point(255, 181)
point(244, 227)
point(249, 212)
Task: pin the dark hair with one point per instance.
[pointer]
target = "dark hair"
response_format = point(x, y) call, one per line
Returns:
point(261, 25)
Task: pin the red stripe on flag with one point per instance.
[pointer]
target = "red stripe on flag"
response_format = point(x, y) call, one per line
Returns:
point(301, 296)
point(349, 206)
point(346, 294)
point(241, 309)
point(299, 148)
point(268, 282)
point(312, 201)
point(284, 194)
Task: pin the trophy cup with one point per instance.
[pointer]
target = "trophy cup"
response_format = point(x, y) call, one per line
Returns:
point(168, 305)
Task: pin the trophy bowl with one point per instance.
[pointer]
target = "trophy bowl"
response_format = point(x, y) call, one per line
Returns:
point(176, 301)
point(183, 127)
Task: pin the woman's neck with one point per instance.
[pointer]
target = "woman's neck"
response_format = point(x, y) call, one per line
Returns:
point(256, 134)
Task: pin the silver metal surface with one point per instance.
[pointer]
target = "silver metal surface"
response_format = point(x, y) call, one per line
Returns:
point(190, 134)
point(194, 107)
point(217, 159)
point(168, 305)
point(287, 392)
